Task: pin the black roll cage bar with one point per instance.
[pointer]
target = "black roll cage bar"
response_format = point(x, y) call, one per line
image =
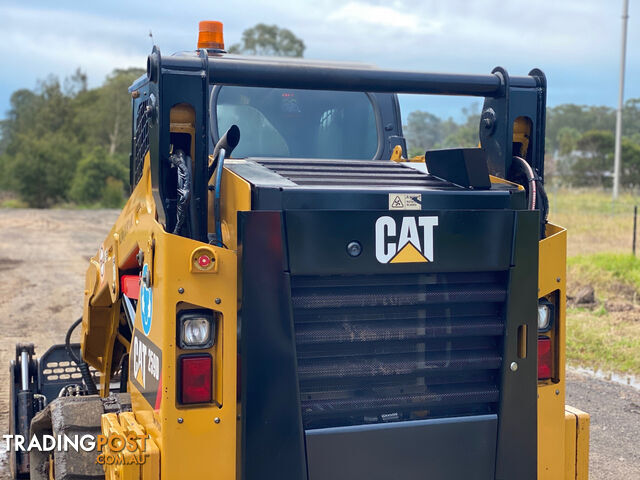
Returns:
point(180, 79)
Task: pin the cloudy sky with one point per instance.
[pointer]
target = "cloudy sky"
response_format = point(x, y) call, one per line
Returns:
point(576, 42)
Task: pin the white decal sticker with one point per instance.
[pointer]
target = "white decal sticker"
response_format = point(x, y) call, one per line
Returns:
point(405, 201)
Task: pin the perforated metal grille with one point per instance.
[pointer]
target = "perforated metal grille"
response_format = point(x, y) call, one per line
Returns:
point(141, 139)
point(352, 172)
point(398, 347)
point(61, 371)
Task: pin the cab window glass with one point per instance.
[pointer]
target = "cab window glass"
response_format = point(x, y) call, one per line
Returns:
point(277, 122)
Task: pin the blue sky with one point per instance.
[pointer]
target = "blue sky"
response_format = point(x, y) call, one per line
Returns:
point(576, 42)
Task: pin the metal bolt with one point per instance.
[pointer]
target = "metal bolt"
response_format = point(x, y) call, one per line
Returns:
point(558, 279)
point(557, 392)
point(180, 420)
point(216, 420)
point(354, 249)
point(181, 290)
point(513, 366)
point(218, 301)
point(488, 120)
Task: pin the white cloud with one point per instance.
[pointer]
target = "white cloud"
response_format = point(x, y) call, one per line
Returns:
point(359, 13)
point(58, 42)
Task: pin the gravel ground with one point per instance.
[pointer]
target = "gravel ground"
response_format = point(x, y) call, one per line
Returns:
point(615, 425)
point(43, 258)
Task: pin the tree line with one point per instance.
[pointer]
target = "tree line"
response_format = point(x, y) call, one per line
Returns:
point(64, 143)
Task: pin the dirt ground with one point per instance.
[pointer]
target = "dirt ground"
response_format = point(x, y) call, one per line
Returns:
point(43, 257)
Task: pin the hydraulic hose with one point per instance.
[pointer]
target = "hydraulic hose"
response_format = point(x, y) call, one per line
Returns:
point(182, 163)
point(531, 180)
point(82, 365)
point(227, 142)
point(222, 150)
point(537, 198)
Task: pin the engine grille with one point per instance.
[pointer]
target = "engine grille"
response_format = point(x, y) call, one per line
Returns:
point(382, 348)
point(141, 139)
point(359, 173)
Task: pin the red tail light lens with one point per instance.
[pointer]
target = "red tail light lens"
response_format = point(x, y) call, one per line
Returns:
point(545, 358)
point(195, 379)
point(130, 286)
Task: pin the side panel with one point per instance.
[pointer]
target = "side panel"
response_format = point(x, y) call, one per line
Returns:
point(271, 442)
point(195, 439)
point(551, 396)
point(517, 429)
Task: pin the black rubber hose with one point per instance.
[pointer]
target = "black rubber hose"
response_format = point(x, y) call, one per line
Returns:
point(531, 179)
point(523, 173)
point(228, 141)
point(82, 365)
point(182, 163)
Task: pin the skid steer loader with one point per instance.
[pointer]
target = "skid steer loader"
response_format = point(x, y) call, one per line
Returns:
point(287, 296)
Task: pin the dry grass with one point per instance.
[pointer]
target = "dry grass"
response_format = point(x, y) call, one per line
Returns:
point(601, 340)
point(600, 235)
point(594, 223)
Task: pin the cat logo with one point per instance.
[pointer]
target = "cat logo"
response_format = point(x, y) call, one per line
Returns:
point(413, 243)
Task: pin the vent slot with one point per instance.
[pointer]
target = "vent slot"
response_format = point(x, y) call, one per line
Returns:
point(382, 348)
point(353, 172)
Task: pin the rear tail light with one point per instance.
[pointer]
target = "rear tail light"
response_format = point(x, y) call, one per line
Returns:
point(195, 379)
point(545, 358)
point(546, 314)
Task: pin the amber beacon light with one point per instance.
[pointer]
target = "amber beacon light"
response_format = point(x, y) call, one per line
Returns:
point(210, 35)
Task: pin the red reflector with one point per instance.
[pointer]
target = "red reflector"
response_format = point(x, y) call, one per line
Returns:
point(204, 261)
point(130, 285)
point(545, 358)
point(195, 379)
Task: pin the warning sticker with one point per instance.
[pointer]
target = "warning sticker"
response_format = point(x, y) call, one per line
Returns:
point(405, 201)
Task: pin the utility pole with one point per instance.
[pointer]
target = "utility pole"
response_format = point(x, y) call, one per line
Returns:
point(623, 56)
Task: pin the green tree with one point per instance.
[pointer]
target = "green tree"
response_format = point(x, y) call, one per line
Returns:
point(104, 114)
point(43, 168)
point(630, 159)
point(593, 159)
point(269, 40)
point(567, 140)
point(49, 129)
point(467, 134)
point(582, 118)
point(422, 131)
point(95, 177)
point(631, 118)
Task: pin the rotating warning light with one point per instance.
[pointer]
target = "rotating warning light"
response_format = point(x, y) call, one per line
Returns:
point(210, 35)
